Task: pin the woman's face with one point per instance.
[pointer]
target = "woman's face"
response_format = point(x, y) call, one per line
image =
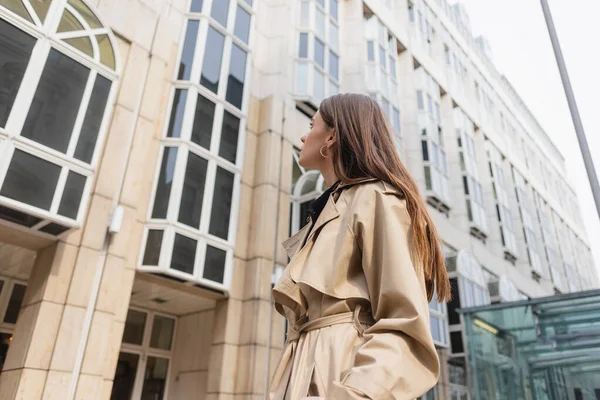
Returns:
point(318, 136)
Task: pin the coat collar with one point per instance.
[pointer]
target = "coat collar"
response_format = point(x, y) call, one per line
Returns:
point(345, 185)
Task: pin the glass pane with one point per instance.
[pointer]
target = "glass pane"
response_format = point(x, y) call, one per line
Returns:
point(153, 246)
point(18, 217)
point(196, 6)
point(214, 266)
point(333, 9)
point(435, 328)
point(184, 254)
point(71, 198)
point(69, 23)
point(333, 65)
point(249, 2)
point(17, 7)
point(31, 180)
point(5, 339)
point(86, 13)
point(93, 119)
point(124, 376)
point(15, 49)
point(320, 53)
point(242, 24)
point(303, 46)
point(237, 75)
point(320, 23)
point(219, 11)
point(304, 14)
point(425, 151)
point(321, 3)
point(41, 8)
point(319, 86)
point(165, 180)
point(192, 195)
point(221, 207)
point(370, 51)
point(107, 55)
point(229, 137)
point(203, 122)
point(333, 37)
point(211, 66)
point(187, 54)
point(57, 100)
point(162, 332)
point(134, 327)
point(176, 121)
point(301, 78)
point(382, 58)
point(155, 377)
point(14, 304)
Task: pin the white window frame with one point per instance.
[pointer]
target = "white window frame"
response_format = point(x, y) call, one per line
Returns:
point(144, 351)
point(10, 136)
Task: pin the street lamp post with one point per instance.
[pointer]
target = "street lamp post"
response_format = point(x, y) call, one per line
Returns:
point(562, 68)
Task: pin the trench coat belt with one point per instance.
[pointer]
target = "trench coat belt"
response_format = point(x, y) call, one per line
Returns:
point(283, 375)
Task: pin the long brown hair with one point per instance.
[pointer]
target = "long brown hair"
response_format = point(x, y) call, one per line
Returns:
point(364, 148)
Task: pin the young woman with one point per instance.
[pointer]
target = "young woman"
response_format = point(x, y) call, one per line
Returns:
point(362, 270)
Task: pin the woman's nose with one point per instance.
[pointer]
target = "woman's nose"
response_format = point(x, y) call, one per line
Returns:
point(303, 139)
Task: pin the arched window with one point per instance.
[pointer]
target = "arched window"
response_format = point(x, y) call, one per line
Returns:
point(57, 72)
point(307, 185)
point(192, 218)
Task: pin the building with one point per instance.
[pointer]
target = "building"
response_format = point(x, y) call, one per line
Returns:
point(148, 175)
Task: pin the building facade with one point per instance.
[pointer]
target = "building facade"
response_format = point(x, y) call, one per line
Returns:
point(148, 174)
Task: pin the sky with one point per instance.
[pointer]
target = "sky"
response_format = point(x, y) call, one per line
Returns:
point(522, 51)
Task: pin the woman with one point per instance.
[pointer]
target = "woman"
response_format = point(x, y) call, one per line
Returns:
point(363, 269)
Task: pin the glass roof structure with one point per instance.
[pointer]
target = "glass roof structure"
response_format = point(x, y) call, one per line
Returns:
point(540, 349)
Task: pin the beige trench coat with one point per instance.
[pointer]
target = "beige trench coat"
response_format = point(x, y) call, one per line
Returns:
point(358, 317)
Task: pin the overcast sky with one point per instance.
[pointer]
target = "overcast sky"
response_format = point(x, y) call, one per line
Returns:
point(522, 51)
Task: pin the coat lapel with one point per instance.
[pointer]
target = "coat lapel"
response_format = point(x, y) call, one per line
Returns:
point(329, 213)
point(293, 244)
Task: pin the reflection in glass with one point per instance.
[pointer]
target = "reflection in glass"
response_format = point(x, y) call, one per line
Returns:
point(17, 217)
point(71, 198)
point(165, 180)
point(177, 111)
point(17, 7)
point(107, 55)
point(162, 332)
point(57, 100)
point(124, 376)
point(192, 195)
point(90, 129)
point(14, 304)
point(41, 8)
point(187, 54)
point(229, 137)
point(237, 72)
point(211, 66)
point(83, 44)
point(30, 180)
point(184, 254)
point(69, 23)
point(203, 122)
point(153, 246)
point(15, 49)
point(221, 206)
point(214, 265)
point(86, 13)
point(155, 378)
point(242, 24)
point(219, 11)
point(134, 327)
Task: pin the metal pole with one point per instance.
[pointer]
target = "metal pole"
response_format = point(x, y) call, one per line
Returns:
point(583, 145)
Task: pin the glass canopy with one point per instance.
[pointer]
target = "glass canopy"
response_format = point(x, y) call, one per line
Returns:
point(541, 349)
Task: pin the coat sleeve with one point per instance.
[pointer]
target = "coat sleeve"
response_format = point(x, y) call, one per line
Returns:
point(397, 359)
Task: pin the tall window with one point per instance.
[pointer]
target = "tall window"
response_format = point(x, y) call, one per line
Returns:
point(307, 185)
point(524, 200)
point(57, 73)
point(503, 213)
point(317, 61)
point(422, 19)
point(549, 239)
point(437, 182)
point(382, 59)
point(191, 223)
point(145, 359)
point(564, 245)
point(12, 293)
point(468, 165)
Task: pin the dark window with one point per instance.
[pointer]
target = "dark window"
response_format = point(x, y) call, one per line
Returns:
point(15, 50)
point(155, 378)
point(229, 137)
point(153, 246)
point(425, 151)
point(57, 100)
point(242, 24)
point(17, 217)
point(54, 229)
point(237, 76)
point(219, 11)
point(165, 180)
point(456, 342)
point(211, 66)
point(86, 144)
point(221, 206)
point(184, 254)
point(214, 265)
point(453, 317)
point(125, 375)
point(30, 180)
point(189, 46)
point(14, 304)
point(71, 198)
point(203, 122)
point(134, 327)
point(177, 111)
point(162, 332)
point(192, 196)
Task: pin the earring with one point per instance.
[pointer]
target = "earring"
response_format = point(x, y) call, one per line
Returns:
point(321, 151)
